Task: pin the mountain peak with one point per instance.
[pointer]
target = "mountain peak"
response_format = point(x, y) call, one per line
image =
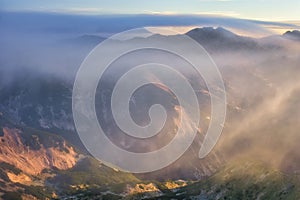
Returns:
point(220, 39)
point(293, 35)
point(212, 32)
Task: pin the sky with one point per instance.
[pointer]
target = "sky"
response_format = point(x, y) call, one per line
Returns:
point(270, 10)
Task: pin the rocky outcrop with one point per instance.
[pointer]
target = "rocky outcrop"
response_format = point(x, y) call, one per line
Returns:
point(32, 160)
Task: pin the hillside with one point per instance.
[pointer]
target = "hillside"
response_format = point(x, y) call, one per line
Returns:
point(37, 164)
point(241, 179)
point(238, 180)
point(42, 157)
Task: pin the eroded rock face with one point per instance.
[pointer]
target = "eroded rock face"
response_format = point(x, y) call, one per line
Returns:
point(20, 178)
point(144, 190)
point(32, 160)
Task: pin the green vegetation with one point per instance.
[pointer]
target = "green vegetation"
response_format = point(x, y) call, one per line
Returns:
point(39, 192)
point(245, 181)
point(90, 173)
point(12, 196)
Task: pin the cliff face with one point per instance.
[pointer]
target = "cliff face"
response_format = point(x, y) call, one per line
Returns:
point(33, 159)
point(29, 158)
point(39, 165)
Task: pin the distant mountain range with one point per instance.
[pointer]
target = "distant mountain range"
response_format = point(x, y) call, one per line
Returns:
point(215, 39)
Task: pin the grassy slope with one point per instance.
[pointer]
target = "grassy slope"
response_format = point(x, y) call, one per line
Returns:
point(243, 180)
point(91, 174)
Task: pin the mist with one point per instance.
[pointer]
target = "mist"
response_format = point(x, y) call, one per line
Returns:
point(261, 77)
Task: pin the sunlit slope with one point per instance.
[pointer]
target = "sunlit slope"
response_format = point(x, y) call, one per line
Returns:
point(242, 179)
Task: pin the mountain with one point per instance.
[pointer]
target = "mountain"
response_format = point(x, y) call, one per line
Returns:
point(213, 39)
point(32, 151)
point(47, 106)
point(41, 154)
point(84, 40)
point(238, 179)
point(40, 101)
point(220, 39)
point(37, 164)
point(26, 156)
point(44, 103)
point(292, 35)
point(242, 179)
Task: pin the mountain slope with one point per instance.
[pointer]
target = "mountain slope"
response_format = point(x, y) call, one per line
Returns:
point(241, 179)
point(37, 164)
point(220, 39)
point(32, 151)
